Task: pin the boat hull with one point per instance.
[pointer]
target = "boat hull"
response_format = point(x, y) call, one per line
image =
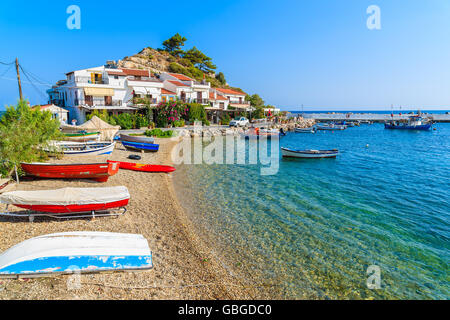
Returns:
point(97, 171)
point(141, 146)
point(422, 127)
point(82, 137)
point(76, 252)
point(68, 200)
point(85, 149)
point(309, 154)
point(298, 130)
point(138, 139)
point(331, 128)
point(144, 167)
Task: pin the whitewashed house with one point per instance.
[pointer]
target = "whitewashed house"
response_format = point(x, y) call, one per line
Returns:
point(187, 89)
point(236, 99)
point(57, 112)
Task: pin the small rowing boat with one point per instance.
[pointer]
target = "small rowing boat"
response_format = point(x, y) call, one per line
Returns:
point(139, 139)
point(309, 154)
point(68, 200)
point(141, 146)
point(82, 136)
point(143, 167)
point(331, 126)
point(305, 130)
point(82, 148)
point(74, 253)
point(97, 171)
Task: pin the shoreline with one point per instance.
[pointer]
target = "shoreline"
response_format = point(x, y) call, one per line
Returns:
point(183, 265)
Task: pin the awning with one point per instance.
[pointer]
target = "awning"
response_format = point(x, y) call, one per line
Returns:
point(98, 92)
point(141, 90)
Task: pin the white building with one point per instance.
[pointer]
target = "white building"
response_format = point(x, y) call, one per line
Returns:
point(57, 112)
point(188, 89)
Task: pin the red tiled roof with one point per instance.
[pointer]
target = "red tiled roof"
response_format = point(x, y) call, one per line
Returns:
point(219, 97)
point(116, 73)
point(181, 77)
point(178, 83)
point(230, 91)
point(165, 91)
point(136, 72)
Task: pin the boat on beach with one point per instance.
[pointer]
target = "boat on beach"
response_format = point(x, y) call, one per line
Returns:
point(305, 130)
point(99, 172)
point(141, 146)
point(76, 252)
point(81, 148)
point(309, 154)
point(82, 136)
point(139, 139)
point(415, 122)
point(143, 167)
point(67, 201)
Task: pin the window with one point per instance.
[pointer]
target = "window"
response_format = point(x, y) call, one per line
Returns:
point(164, 98)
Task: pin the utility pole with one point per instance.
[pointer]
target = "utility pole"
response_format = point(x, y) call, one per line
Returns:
point(18, 79)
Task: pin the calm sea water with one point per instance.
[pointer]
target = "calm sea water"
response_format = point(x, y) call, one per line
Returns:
point(313, 229)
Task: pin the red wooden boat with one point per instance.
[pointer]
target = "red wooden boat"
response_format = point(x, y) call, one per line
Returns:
point(143, 167)
point(68, 200)
point(97, 171)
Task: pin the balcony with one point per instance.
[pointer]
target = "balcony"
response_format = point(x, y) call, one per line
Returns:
point(139, 100)
point(89, 80)
point(201, 101)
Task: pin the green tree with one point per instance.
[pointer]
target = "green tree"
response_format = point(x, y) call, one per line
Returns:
point(200, 60)
point(23, 134)
point(174, 44)
point(221, 78)
point(255, 100)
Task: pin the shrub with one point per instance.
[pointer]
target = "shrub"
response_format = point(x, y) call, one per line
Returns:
point(225, 119)
point(169, 112)
point(178, 123)
point(159, 133)
point(23, 131)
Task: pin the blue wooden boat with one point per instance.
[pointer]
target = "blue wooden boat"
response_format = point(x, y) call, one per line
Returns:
point(414, 123)
point(309, 154)
point(141, 146)
point(76, 252)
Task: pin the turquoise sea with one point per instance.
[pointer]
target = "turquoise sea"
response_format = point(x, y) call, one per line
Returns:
point(312, 230)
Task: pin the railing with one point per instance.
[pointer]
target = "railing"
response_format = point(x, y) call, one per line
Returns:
point(240, 102)
point(201, 101)
point(114, 103)
point(89, 80)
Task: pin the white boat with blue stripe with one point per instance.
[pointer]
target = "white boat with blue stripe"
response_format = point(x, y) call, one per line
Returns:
point(81, 148)
point(76, 252)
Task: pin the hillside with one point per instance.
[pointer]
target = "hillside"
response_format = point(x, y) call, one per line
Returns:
point(192, 63)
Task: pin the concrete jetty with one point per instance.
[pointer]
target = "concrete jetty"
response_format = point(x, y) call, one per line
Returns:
point(375, 117)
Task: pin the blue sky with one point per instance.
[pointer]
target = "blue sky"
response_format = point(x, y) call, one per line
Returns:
point(316, 53)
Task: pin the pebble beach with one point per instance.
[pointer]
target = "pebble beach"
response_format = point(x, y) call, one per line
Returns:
point(183, 266)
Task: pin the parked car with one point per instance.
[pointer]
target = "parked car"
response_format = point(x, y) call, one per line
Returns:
point(239, 122)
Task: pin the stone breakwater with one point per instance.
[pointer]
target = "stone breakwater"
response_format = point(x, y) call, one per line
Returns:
point(233, 131)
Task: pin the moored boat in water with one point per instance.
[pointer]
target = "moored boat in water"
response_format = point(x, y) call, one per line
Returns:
point(415, 122)
point(309, 154)
point(330, 126)
point(97, 171)
point(76, 252)
point(305, 130)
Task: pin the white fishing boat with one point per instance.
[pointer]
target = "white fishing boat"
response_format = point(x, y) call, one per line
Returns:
point(305, 130)
point(81, 148)
point(331, 126)
point(76, 252)
point(290, 153)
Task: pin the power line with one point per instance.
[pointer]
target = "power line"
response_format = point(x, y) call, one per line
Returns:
point(32, 83)
point(6, 64)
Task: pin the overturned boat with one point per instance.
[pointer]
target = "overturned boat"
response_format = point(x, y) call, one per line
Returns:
point(99, 172)
point(76, 252)
point(82, 136)
point(141, 146)
point(139, 139)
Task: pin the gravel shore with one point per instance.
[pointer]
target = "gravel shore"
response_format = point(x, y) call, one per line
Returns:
point(184, 267)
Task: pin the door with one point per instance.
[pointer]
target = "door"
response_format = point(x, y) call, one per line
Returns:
point(183, 96)
point(89, 101)
point(108, 100)
point(199, 97)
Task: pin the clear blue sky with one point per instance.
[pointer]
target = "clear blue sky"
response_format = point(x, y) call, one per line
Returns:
point(317, 53)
